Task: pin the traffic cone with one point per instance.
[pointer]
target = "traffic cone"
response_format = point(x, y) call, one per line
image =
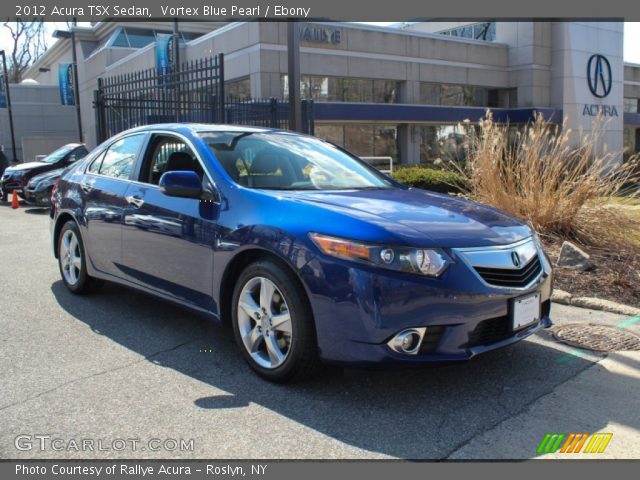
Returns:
point(15, 203)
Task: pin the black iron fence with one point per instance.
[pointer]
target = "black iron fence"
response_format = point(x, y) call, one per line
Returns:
point(271, 113)
point(193, 93)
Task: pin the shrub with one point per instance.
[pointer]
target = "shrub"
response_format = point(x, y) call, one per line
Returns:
point(442, 181)
point(539, 176)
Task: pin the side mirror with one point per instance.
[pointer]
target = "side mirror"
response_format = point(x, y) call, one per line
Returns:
point(181, 184)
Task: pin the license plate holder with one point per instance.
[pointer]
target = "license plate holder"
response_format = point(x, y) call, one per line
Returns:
point(525, 311)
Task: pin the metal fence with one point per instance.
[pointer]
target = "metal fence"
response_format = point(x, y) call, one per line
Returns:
point(271, 113)
point(193, 93)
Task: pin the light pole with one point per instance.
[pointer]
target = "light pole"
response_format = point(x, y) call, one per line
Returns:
point(6, 88)
point(71, 35)
point(293, 56)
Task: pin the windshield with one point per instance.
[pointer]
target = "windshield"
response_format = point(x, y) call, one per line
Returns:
point(282, 161)
point(58, 154)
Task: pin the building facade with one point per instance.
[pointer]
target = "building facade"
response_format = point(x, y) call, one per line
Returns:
point(402, 91)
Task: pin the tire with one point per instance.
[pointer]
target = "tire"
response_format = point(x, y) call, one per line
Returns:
point(72, 260)
point(259, 335)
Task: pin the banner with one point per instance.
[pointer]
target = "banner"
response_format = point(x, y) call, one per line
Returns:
point(66, 84)
point(164, 57)
point(3, 94)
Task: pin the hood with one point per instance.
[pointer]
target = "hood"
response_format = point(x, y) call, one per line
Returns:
point(26, 166)
point(47, 175)
point(419, 217)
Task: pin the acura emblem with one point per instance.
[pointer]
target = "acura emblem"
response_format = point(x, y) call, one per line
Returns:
point(515, 258)
point(599, 75)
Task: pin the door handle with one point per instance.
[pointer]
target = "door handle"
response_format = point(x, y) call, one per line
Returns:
point(135, 200)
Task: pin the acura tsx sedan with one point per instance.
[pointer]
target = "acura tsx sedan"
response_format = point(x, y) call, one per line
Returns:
point(307, 252)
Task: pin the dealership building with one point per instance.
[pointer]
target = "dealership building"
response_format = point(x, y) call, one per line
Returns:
point(403, 91)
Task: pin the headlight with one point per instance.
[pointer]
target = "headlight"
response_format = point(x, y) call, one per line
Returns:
point(18, 174)
point(430, 262)
point(46, 183)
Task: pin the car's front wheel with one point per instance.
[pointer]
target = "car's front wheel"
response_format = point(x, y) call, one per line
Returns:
point(72, 260)
point(273, 323)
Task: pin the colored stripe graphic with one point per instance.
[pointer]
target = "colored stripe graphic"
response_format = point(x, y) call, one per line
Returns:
point(551, 443)
point(598, 442)
point(574, 442)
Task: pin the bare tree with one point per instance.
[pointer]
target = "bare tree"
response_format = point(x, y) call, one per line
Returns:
point(28, 44)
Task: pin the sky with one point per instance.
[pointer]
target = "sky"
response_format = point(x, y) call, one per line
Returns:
point(631, 38)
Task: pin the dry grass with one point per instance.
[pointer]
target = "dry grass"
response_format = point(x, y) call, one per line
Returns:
point(562, 191)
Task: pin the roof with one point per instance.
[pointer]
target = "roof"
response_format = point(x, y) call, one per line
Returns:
point(202, 127)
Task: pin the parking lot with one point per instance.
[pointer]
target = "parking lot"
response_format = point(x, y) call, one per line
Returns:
point(121, 365)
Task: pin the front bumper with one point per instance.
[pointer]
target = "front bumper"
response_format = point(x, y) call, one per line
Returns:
point(39, 198)
point(10, 184)
point(358, 309)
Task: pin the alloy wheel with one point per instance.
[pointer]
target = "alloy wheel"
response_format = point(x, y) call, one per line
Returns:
point(264, 322)
point(70, 257)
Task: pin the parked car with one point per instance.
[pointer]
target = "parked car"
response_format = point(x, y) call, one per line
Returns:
point(38, 190)
point(16, 177)
point(310, 254)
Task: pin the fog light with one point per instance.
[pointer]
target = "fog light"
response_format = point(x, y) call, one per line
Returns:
point(408, 341)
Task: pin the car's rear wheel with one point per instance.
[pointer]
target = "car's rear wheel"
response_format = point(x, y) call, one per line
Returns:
point(273, 323)
point(72, 260)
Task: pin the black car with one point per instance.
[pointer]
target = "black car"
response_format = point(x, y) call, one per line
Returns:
point(39, 188)
point(17, 177)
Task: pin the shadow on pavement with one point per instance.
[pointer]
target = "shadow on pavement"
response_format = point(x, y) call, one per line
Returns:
point(36, 210)
point(416, 413)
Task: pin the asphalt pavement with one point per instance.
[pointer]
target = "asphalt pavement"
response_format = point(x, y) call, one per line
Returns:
point(101, 373)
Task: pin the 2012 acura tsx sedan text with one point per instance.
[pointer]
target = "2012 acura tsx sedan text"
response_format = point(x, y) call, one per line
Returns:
point(310, 254)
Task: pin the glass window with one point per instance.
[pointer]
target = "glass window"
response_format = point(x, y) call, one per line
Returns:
point(364, 140)
point(120, 39)
point(466, 95)
point(238, 89)
point(344, 89)
point(443, 143)
point(359, 139)
point(59, 154)
point(162, 147)
point(139, 38)
point(95, 164)
point(479, 31)
point(282, 161)
point(121, 156)
point(632, 105)
point(631, 138)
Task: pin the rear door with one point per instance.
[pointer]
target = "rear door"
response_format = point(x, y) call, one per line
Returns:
point(102, 191)
point(168, 241)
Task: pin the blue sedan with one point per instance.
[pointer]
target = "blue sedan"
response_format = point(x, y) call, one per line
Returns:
point(310, 254)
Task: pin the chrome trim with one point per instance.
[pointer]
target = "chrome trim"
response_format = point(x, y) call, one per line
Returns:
point(396, 342)
point(500, 256)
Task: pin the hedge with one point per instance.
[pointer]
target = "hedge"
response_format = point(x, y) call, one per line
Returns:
point(430, 179)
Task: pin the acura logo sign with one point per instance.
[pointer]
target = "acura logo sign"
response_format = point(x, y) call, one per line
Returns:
point(599, 75)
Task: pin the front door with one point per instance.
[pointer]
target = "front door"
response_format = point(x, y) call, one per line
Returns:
point(168, 241)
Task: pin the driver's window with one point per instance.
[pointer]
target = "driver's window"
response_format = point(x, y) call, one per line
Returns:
point(168, 153)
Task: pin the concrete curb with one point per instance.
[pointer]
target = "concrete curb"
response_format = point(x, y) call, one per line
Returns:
point(565, 298)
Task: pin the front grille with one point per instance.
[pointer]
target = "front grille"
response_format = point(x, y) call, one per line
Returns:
point(431, 339)
point(490, 331)
point(504, 277)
